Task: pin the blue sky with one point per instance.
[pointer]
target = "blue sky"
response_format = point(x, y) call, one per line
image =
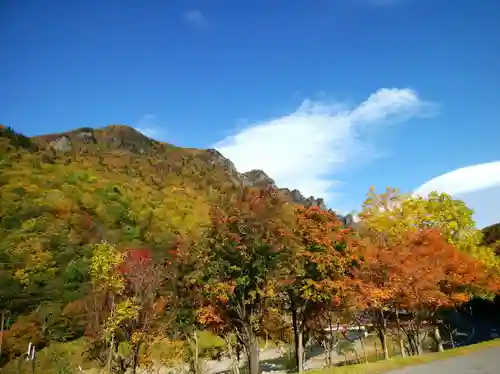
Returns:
point(327, 96)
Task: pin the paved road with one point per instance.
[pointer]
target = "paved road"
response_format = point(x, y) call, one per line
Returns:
point(483, 362)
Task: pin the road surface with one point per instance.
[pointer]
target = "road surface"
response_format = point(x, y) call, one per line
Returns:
point(482, 362)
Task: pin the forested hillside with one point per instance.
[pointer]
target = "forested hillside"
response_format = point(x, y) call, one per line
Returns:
point(62, 193)
point(112, 184)
point(111, 235)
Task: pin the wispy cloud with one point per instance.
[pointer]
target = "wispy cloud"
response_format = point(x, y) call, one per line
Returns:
point(147, 125)
point(477, 185)
point(305, 149)
point(467, 179)
point(196, 18)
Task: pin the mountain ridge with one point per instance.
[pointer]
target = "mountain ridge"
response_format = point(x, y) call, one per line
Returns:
point(126, 137)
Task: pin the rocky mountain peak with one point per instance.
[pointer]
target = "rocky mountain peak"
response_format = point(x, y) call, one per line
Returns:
point(258, 178)
point(109, 137)
point(217, 158)
point(296, 196)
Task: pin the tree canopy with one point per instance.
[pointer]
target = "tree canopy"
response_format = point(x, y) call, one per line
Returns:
point(111, 236)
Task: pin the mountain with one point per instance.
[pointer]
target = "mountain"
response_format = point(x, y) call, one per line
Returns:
point(61, 193)
point(117, 137)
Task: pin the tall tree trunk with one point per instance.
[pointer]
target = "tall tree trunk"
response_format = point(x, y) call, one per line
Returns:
point(383, 334)
point(418, 341)
point(232, 356)
point(452, 340)
point(420, 349)
point(252, 348)
point(362, 339)
point(400, 335)
point(356, 355)
point(439, 341)
point(402, 347)
point(411, 345)
point(192, 339)
point(196, 352)
point(298, 340)
point(384, 344)
point(300, 351)
point(383, 341)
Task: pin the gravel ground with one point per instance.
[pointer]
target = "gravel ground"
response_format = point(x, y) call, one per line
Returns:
point(482, 362)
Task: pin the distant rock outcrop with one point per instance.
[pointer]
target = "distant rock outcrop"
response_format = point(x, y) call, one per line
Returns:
point(218, 159)
point(258, 178)
point(62, 144)
point(113, 137)
point(296, 196)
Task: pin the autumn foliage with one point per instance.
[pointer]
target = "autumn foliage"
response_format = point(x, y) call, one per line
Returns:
point(242, 254)
point(131, 242)
point(423, 271)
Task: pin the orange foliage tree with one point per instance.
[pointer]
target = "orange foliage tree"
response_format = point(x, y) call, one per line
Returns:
point(429, 274)
point(415, 277)
point(321, 263)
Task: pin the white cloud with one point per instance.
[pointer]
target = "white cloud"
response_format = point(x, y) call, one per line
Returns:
point(464, 180)
point(306, 148)
point(196, 18)
point(477, 185)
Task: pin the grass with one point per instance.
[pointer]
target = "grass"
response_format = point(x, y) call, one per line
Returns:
point(207, 340)
point(399, 362)
point(58, 358)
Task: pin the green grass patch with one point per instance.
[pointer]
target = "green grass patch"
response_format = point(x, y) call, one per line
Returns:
point(207, 339)
point(399, 362)
point(58, 358)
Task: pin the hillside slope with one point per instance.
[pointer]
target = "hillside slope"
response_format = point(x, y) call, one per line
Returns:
point(492, 236)
point(127, 139)
point(60, 193)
